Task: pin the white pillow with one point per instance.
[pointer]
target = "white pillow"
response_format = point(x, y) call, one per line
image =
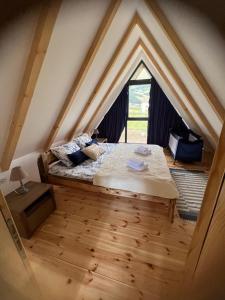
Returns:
point(82, 140)
point(62, 151)
point(93, 151)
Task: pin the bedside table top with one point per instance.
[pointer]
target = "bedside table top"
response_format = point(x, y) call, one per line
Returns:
point(20, 202)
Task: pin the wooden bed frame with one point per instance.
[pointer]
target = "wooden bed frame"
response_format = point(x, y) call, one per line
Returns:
point(47, 158)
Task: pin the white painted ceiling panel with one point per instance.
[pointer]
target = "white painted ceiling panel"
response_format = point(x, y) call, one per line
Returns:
point(202, 40)
point(15, 42)
point(114, 94)
point(116, 67)
point(111, 40)
point(65, 54)
point(75, 28)
point(127, 72)
point(179, 66)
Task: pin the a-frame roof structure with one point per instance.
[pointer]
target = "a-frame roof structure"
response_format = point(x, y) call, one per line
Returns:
point(80, 56)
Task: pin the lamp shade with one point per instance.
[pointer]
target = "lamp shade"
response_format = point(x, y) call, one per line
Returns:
point(17, 173)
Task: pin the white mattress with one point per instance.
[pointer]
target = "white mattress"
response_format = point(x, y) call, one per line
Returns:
point(86, 170)
point(155, 181)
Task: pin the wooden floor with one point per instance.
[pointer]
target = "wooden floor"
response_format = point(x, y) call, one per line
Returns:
point(96, 246)
point(204, 165)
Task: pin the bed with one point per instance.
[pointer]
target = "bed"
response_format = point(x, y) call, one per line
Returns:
point(110, 174)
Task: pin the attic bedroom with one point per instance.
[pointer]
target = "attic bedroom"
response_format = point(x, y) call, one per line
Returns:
point(112, 152)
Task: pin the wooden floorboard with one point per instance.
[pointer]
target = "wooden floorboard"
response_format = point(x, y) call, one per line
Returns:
point(97, 246)
point(204, 165)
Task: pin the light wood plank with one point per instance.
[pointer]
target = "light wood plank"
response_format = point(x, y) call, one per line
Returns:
point(207, 210)
point(79, 79)
point(177, 79)
point(86, 250)
point(203, 166)
point(73, 282)
point(208, 282)
point(86, 186)
point(192, 67)
point(104, 74)
point(45, 25)
point(172, 89)
point(161, 74)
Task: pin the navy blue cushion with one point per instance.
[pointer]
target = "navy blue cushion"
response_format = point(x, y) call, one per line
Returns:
point(77, 157)
point(94, 141)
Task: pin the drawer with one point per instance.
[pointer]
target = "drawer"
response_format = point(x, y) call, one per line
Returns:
point(39, 213)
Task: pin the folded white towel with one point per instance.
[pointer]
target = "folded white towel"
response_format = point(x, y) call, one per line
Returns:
point(141, 168)
point(143, 150)
point(137, 164)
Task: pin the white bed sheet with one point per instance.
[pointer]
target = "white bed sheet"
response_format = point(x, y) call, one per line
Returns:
point(155, 181)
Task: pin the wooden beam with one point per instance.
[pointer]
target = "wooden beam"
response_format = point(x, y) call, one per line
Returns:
point(104, 74)
point(186, 58)
point(45, 25)
point(176, 78)
point(174, 74)
point(209, 203)
point(160, 73)
point(116, 78)
point(79, 79)
point(170, 86)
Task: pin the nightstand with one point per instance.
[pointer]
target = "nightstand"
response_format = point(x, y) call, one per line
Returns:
point(101, 140)
point(29, 210)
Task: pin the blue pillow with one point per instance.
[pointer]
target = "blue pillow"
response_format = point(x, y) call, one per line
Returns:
point(77, 157)
point(94, 141)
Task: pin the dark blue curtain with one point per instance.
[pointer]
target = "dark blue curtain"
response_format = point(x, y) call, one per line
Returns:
point(162, 117)
point(114, 121)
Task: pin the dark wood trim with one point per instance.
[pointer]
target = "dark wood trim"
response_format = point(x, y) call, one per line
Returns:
point(137, 119)
point(136, 82)
point(140, 63)
point(139, 81)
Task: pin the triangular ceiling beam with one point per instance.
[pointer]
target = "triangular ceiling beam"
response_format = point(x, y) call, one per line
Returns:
point(43, 32)
point(158, 70)
point(138, 21)
point(85, 66)
point(195, 72)
point(176, 78)
point(138, 70)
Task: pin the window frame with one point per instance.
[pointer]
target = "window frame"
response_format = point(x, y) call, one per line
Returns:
point(130, 83)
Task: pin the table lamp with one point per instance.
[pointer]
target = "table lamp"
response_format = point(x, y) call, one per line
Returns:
point(18, 174)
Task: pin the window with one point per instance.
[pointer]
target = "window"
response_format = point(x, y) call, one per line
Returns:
point(136, 127)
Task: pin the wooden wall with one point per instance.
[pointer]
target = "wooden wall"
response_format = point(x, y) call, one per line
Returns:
point(205, 268)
